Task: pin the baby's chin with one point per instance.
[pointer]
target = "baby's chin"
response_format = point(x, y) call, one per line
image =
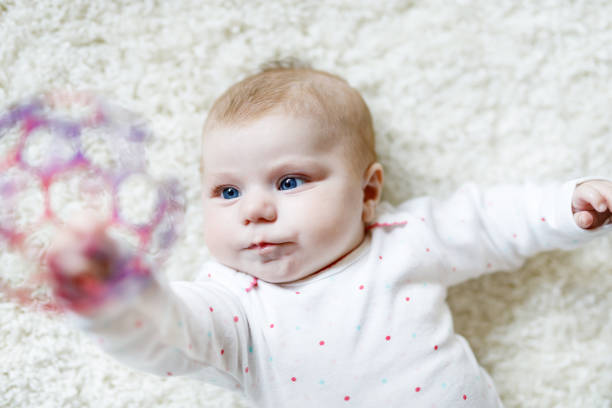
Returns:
point(277, 272)
point(278, 275)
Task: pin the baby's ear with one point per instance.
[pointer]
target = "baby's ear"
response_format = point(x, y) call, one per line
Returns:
point(372, 186)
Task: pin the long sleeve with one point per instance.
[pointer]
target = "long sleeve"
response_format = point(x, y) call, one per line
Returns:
point(184, 328)
point(476, 232)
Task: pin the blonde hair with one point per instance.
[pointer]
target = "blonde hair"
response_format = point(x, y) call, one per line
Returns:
point(300, 91)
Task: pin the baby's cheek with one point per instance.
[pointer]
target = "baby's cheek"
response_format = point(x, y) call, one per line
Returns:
point(313, 214)
point(335, 221)
point(216, 233)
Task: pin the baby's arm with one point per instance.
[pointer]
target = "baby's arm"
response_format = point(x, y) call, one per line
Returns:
point(480, 231)
point(185, 328)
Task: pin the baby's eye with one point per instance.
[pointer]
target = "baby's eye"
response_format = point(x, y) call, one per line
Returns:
point(230, 193)
point(289, 183)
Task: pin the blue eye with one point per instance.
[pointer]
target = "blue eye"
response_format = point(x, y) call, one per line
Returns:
point(290, 183)
point(230, 193)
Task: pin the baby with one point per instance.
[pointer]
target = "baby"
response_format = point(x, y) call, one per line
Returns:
point(316, 297)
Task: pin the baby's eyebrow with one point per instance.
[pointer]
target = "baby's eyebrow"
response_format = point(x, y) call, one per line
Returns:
point(220, 176)
point(292, 164)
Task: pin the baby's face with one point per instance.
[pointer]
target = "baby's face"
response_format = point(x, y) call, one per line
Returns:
point(281, 200)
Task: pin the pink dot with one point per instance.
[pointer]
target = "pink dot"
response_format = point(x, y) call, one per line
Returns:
point(417, 389)
point(379, 257)
point(169, 373)
point(361, 287)
point(489, 265)
point(427, 249)
point(209, 275)
point(138, 323)
point(407, 299)
point(235, 318)
point(297, 293)
point(210, 308)
point(272, 326)
point(454, 269)
point(543, 219)
point(435, 347)
point(222, 351)
point(246, 370)
point(347, 398)
point(190, 346)
point(464, 396)
point(513, 235)
point(293, 379)
point(388, 338)
point(423, 219)
point(321, 343)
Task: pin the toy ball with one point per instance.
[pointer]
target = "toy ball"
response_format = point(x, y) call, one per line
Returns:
point(64, 153)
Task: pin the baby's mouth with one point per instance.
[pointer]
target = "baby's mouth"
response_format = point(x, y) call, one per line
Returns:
point(262, 245)
point(270, 250)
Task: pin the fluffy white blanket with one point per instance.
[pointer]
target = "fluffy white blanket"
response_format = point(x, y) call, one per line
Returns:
point(492, 92)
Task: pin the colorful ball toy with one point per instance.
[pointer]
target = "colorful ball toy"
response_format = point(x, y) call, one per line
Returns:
point(63, 153)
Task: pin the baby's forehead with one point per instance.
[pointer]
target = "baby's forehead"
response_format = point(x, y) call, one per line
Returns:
point(278, 134)
point(304, 128)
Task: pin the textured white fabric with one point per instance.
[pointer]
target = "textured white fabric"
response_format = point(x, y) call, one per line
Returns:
point(373, 328)
point(467, 90)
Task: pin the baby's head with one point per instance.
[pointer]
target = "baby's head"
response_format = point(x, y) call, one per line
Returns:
point(289, 173)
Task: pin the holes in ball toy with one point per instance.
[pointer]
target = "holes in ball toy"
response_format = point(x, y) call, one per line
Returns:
point(107, 148)
point(137, 199)
point(79, 191)
point(100, 148)
point(39, 240)
point(15, 268)
point(80, 107)
point(22, 204)
point(50, 146)
point(24, 281)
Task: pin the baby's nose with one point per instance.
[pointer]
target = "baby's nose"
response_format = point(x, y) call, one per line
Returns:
point(258, 207)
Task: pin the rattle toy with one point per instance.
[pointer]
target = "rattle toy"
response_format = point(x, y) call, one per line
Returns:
point(62, 153)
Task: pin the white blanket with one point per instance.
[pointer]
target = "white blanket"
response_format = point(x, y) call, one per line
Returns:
point(460, 91)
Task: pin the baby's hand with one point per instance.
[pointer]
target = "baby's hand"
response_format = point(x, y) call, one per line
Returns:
point(592, 204)
point(80, 260)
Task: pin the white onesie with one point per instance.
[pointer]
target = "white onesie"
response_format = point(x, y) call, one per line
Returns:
point(371, 330)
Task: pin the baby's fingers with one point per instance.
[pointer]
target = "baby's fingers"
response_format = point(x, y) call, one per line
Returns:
point(590, 219)
point(593, 195)
point(592, 204)
point(82, 248)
